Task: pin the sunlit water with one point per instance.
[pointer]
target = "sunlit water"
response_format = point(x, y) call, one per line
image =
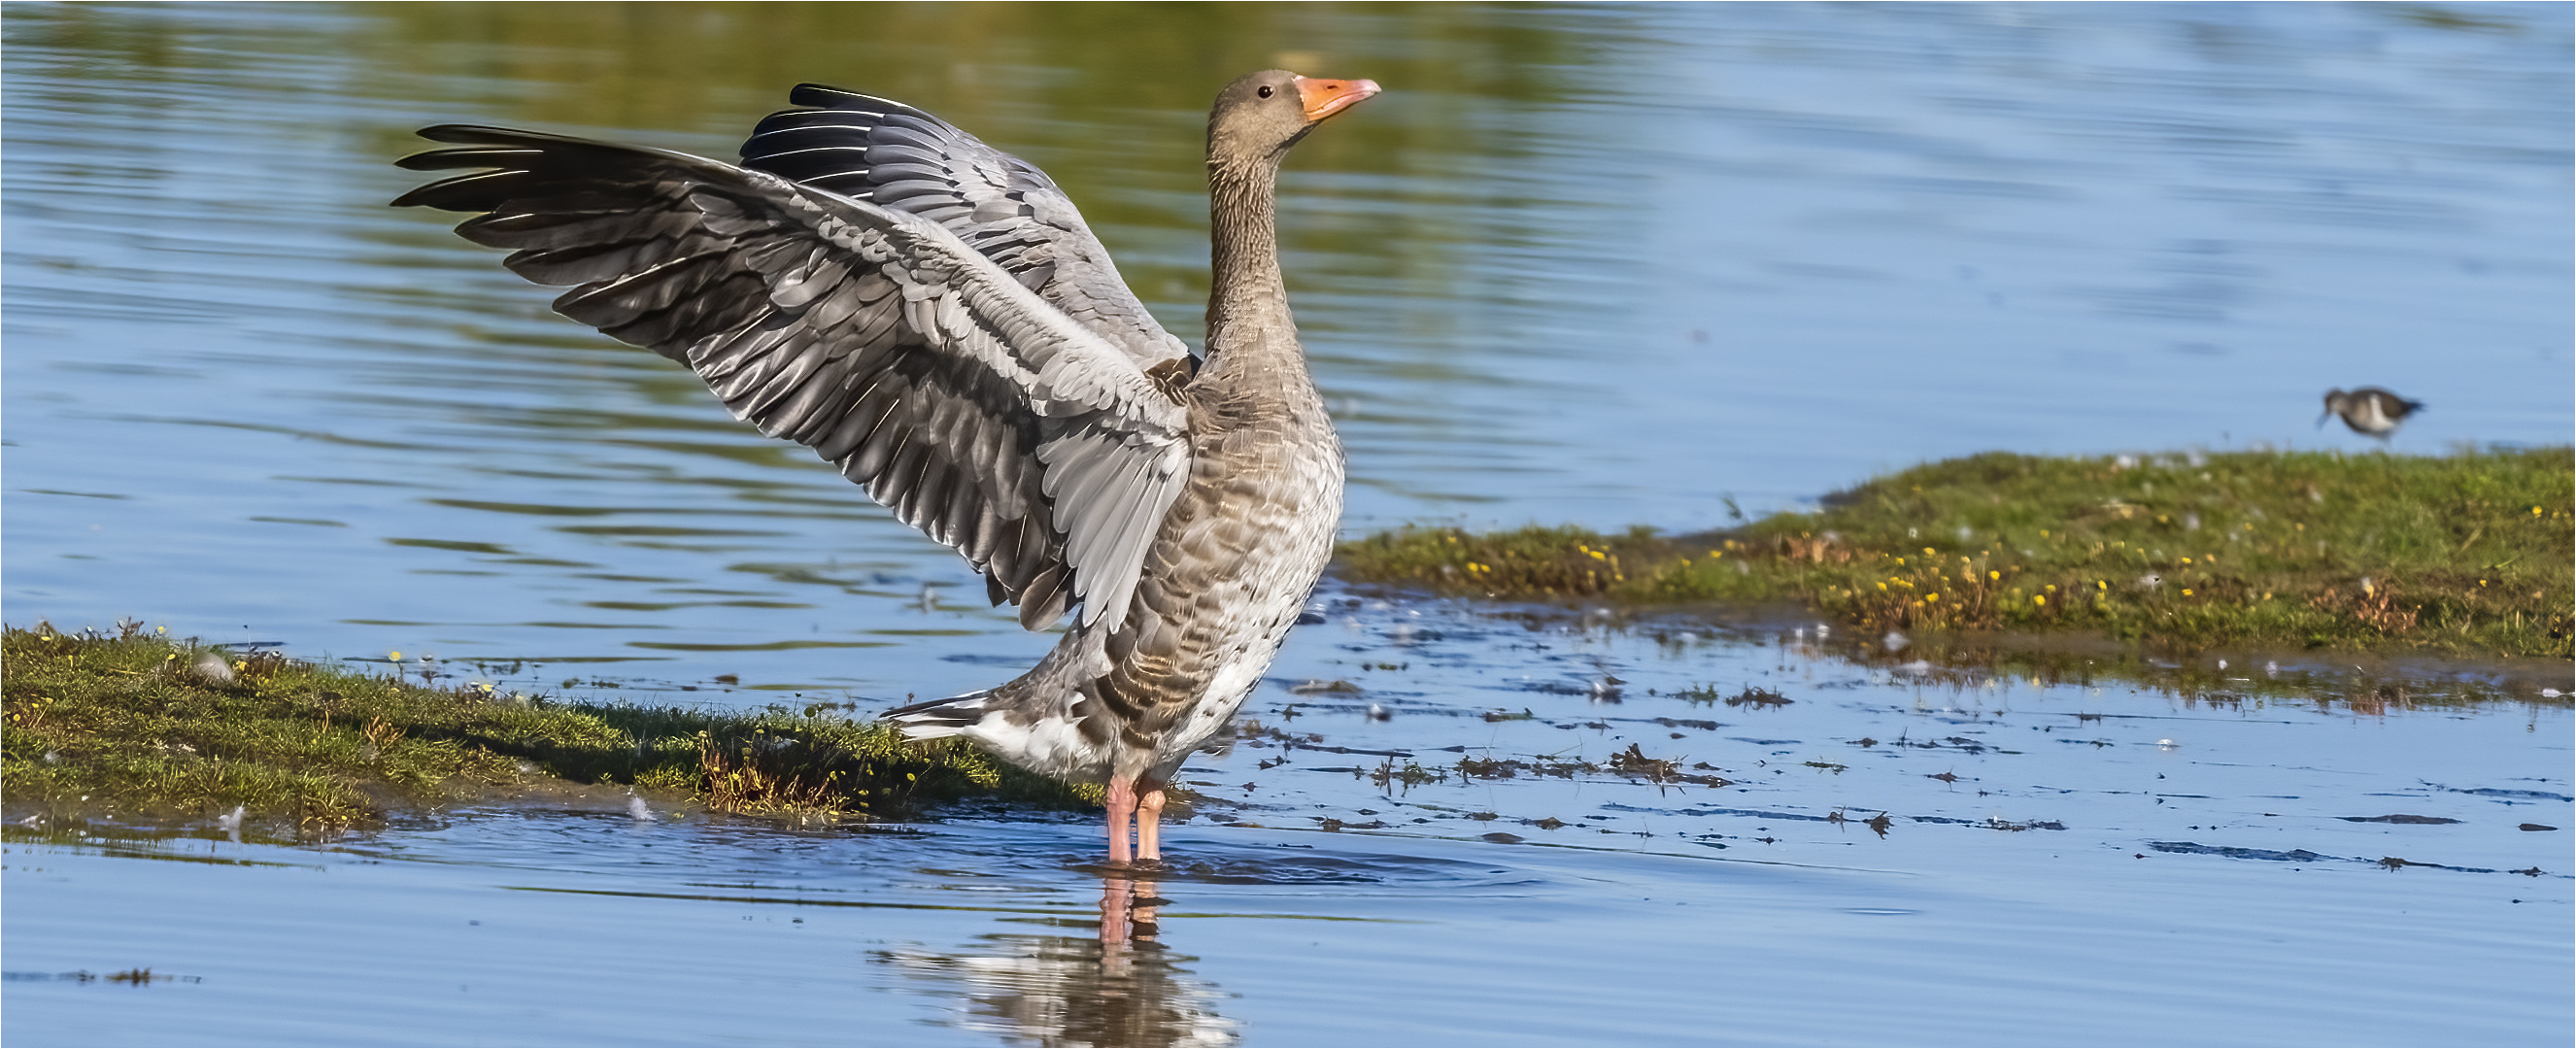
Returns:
point(1595, 264)
point(2059, 864)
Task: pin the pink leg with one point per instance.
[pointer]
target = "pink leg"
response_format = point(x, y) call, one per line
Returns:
point(1122, 817)
point(1149, 821)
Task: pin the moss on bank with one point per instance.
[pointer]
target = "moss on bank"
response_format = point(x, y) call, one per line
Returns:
point(2467, 554)
point(134, 723)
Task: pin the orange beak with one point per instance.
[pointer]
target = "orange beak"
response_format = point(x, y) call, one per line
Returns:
point(1323, 98)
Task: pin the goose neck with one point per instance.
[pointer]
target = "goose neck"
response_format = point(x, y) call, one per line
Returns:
point(1247, 299)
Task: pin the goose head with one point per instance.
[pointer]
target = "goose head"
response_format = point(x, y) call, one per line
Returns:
point(1260, 115)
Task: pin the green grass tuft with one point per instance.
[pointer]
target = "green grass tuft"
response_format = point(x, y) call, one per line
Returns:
point(137, 724)
point(2466, 554)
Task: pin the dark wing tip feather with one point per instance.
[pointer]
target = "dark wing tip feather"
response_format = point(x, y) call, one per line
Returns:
point(825, 96)
point(480, 191)
point(953, 712)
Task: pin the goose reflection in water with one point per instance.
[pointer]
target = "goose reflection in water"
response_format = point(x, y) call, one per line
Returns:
point(1118, 988)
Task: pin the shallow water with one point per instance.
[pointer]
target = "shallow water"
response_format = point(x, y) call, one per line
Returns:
point(1594, 264)
point(2059, 864)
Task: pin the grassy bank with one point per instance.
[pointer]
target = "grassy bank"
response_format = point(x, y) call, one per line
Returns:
point(135, 724)
point(2466, 554)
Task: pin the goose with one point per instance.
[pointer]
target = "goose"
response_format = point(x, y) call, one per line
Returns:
point(932, 317)
point(2369, 411)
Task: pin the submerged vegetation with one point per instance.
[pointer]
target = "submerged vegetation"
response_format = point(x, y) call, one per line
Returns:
point(139, 724)
point(2467, 554)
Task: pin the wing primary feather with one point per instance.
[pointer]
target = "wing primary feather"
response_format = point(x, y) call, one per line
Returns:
point(935, 371)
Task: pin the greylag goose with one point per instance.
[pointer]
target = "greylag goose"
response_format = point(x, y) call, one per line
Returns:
point(931, 315)
point(2369, 411)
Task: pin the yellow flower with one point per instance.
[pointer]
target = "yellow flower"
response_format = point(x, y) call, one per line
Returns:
point(394, 656)
point(2040, 600)
point(1994, 575)
point(2535, 511)
point(1882, 586)
point(2186, 591)
point(1927, 551)
point(1931, 597)
point(2186, 560)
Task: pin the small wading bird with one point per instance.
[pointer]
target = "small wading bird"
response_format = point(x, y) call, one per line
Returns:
point(932, 316)
point(2370, 411)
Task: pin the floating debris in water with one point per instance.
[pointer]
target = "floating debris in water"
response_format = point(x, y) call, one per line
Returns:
point(1378, 713)
point(1758, 698)
point(1894, 641)
point(635, 807)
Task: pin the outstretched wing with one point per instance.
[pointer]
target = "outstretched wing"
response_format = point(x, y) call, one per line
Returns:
point(877, 150)
point(957, 397)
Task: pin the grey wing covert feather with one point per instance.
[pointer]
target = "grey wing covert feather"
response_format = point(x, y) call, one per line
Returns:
point(931, 375)
point(891, 154)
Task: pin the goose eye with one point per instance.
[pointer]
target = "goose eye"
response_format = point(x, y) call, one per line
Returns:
point(1265, 90)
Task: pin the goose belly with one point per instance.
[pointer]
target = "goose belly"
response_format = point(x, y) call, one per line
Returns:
point(1231, 570)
